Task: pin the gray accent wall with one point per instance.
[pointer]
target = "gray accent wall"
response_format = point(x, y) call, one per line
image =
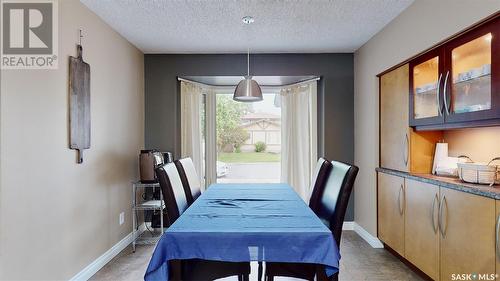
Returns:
point(335, 95)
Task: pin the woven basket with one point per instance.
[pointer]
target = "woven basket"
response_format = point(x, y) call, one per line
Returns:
point(480, 173)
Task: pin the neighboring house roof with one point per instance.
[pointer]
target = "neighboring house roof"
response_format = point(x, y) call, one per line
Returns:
point(260, 115)
point(259, 122)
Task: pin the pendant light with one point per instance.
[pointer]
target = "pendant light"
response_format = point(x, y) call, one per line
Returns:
point(248, 90)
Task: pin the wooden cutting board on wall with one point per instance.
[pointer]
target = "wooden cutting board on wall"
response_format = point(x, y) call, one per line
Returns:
point(79, 103)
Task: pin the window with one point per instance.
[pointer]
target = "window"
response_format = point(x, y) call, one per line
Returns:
point(248, 139)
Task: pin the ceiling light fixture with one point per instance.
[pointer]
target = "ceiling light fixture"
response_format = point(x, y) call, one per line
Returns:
point(248, 90)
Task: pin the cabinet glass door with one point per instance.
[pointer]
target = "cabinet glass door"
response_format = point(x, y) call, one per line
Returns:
point(471, 76)
point(457, 84)
point(426, 89)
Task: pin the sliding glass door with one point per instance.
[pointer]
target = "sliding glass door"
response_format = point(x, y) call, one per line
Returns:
point(248, 139)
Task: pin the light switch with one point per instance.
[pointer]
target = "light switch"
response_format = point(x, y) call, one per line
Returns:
point(122, 218)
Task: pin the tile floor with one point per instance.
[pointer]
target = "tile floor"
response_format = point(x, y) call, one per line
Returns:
point(359, 262)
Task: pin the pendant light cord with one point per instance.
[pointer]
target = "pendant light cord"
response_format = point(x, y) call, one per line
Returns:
point(248, 62)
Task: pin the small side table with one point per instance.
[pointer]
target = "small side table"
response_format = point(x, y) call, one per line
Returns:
point(145, 205)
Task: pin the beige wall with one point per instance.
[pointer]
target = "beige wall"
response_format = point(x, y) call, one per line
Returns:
point(480, 144)
point(57, 216)
point(423, 24)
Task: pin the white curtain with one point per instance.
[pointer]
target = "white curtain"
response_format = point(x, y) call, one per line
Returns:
point(191, 128)
point(298, 136)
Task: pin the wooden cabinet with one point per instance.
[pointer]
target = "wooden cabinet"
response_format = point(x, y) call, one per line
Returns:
point(394, 130)
point(467, 228)
point(439, 230)
point(401, 148)
point(472, 90)
point(421, 226)
point(391, 211)
point(458, 83)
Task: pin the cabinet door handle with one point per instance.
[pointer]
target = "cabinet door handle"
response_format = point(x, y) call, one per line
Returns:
point(442, 225)
point(439, 217)
point(400, 204)
point(433, 214)
point(440, 108)
point(404, 200)
point(496, 236)
point(406, 153)
point(399, 200)
point(445, 99)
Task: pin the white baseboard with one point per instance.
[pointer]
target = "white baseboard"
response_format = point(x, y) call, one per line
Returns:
point(101, 261)
point(348, 225)
point(372, 240)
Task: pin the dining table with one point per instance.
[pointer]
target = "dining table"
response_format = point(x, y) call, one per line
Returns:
point(232, 222)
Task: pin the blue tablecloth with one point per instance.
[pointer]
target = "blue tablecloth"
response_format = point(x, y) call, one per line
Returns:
point(246, 222)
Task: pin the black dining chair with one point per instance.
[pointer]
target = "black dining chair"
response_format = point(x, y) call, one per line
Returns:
point(189, 178)
point(192, 269)
point(331, 209)
point(172, 190)
point(321, 173)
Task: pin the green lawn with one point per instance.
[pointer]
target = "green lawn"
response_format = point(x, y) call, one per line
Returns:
point(248, 157)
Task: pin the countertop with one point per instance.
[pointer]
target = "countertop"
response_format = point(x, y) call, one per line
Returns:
point(448, 182)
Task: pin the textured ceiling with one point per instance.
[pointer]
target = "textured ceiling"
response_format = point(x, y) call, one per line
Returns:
point(214, 26)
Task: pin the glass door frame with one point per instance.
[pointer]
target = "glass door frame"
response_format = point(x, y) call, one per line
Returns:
point(210, 138)
point(494, 111)
point(428, 120)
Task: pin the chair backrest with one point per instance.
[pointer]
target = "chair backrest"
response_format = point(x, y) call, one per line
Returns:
point(172, 191)
point(335, 197)
point(189, 178)
point(321, 173)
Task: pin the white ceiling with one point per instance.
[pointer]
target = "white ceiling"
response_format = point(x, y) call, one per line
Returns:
point(214, 26)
